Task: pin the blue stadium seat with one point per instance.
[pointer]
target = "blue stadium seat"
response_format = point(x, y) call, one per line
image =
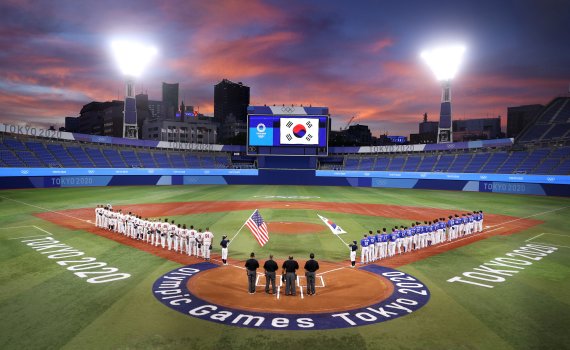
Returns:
point(512, 162)
point(97, 157)
point(146, 160)
point(460, 163)
point(397, 163)
point(351, 163)
point(381, 163)
point(444, 162)
point(427, 163)
point(10, 159)
point(412, 163)
point(62, 155)
point(114, 158)
point(477, 162)
point(131, 158)
point(495, 162)
point(161, 160)
point(367, 163)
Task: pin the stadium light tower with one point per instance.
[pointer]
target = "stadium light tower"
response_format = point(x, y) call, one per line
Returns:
point(444, 62)
point(132, 58)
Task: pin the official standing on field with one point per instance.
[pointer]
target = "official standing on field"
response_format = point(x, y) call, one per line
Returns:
point(311, 267)
point(290, 267)
point(251, 266)
point(353, 248)
point(270, 266)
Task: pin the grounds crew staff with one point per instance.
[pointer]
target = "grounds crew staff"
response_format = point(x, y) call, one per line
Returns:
point(311, 267)
point(270, 267)
point(289, 268)
point(251, 266)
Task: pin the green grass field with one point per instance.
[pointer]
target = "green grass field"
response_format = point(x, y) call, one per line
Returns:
point(43, 305)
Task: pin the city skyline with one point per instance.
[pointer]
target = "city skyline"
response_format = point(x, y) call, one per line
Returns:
point(357, 59)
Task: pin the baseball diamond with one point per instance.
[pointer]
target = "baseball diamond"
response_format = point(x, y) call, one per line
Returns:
point(461, 284)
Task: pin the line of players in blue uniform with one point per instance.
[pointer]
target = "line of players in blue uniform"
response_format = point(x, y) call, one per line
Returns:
point(404, 239)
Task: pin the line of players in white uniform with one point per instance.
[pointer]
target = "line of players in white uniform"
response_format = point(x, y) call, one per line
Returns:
point(175, 237)
point(404, 239)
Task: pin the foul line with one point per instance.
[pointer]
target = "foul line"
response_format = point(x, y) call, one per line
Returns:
point(556, 245)
point(37, 228)
point(322, 273)
point(466, 237)
point(530, 239)
point(530, 216)
point(46, 209)
point(8, 228)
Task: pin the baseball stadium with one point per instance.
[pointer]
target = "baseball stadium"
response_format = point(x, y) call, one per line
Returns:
point(261, 213)
point(71, 281)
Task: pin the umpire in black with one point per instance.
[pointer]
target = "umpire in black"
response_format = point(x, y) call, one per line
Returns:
point(290, 268)
point(251, 266)
point(270, 267)
point(311, 267)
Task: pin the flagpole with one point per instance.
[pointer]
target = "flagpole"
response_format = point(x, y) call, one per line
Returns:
point(238, 231)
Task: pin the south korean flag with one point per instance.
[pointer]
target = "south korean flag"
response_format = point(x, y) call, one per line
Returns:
point(299, 131)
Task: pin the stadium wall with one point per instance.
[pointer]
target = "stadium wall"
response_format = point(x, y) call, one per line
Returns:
point(548, 185)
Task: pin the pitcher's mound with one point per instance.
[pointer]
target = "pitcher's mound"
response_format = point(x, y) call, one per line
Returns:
point(294, 228)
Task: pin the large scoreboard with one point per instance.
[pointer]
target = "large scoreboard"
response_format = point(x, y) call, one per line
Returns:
point(287, 131)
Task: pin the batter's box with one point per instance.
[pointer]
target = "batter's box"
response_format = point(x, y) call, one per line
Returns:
point(301, 281)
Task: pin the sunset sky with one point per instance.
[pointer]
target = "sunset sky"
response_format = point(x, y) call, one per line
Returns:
point(356, 57)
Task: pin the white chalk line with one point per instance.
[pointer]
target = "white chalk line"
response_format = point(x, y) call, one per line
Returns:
point(555, 245)
point(530, 216)
point(333, 270)
point(466, 237)
point(46, 209)
point(37, 228)
point(13, 227)
point(530, 239)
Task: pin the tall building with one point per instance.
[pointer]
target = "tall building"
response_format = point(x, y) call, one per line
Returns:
point(519, 117)
point(156, 109)
point(170, 99)
point(191, 130)
point(230, 109)
point(477, 129)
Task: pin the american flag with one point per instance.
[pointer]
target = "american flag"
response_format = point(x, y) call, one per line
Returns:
point(258, 227)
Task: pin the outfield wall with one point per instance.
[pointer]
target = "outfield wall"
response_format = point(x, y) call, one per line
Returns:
point(549, 185)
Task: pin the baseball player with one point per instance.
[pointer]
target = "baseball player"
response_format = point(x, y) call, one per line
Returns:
point(371, 246)
point(176, 237)
point(98, 216)
point(224, 244)
point(392, 243)
point(191, 246)
point(384, 244)
point(199, 241)
point(364, 250)
point(378, 244)
point(353, 248)
point(481, 220)
point(207, 243)
point(164, 227)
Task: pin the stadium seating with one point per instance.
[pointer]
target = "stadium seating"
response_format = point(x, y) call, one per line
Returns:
point(552, 124)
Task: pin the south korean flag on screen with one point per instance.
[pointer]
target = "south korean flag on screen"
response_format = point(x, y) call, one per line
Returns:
point(299, 131)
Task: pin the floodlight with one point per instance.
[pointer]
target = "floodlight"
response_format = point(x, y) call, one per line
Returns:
point(444, 61)
point(132, 57)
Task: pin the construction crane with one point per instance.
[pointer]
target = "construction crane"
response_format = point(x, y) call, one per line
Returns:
point(350, 121)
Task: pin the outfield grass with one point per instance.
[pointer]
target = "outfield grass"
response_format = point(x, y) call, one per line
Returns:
point(46, 306)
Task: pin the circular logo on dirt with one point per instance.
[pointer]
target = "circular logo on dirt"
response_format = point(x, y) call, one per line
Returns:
point(408, 295)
